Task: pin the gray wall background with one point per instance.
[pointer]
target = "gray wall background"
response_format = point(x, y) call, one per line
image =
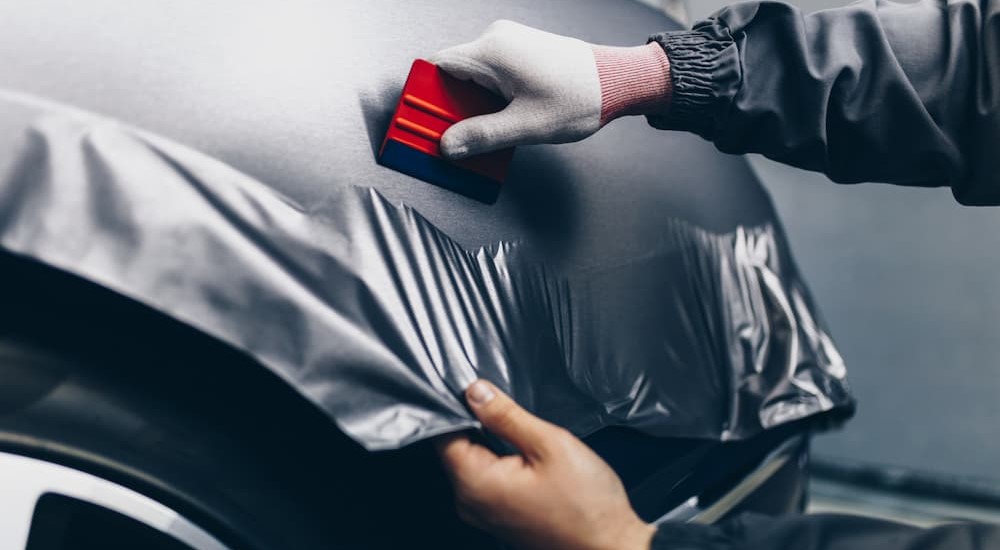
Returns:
point(907, 280)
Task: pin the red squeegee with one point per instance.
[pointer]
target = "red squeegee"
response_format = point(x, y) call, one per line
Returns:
point(431, 102)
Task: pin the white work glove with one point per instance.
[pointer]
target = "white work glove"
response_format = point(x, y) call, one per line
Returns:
point(550, 80)
point(553, 83)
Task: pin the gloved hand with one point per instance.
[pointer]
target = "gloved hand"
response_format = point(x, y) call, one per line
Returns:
point(560, 89)
point(556, 495)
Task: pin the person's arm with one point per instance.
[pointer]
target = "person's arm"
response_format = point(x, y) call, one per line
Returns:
point(824, 532)
point(874, 91)
point(557, 494)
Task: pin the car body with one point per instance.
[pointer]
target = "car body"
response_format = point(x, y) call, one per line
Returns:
point(142, 415)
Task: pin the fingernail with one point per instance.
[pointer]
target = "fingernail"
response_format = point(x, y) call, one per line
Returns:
point(480, 393)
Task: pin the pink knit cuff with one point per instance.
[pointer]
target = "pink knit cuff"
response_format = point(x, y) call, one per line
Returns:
point(634, 81)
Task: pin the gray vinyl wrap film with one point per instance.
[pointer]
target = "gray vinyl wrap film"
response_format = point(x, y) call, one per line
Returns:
point(381, 319)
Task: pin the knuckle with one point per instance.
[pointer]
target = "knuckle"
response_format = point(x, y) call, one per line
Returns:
point(563, 435)
point(561, 440)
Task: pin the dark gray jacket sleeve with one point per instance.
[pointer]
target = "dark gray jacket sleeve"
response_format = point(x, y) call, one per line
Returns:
point(874, 91)
point(823, 532)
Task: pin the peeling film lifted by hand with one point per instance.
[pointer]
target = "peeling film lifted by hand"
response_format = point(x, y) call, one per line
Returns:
point(556, 494)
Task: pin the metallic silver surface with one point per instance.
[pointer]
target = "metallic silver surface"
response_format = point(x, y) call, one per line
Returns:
point(382, 319)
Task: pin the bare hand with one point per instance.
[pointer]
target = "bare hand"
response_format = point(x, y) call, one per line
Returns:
point(557, 494)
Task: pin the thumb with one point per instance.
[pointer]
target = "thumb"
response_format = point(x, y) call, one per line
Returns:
point(503, 417)
point(482, 134)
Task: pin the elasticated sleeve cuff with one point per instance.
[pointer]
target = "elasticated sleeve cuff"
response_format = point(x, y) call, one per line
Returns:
point(634, 81)
point(705, 77)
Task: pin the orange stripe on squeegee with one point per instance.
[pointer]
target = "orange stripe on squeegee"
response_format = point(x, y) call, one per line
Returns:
point(418, 129)
point(429, 108)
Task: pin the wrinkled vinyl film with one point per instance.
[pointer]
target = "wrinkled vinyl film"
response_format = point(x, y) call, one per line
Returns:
point(382, 320)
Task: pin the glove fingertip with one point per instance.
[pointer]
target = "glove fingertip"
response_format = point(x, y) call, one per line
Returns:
point(453, 146)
